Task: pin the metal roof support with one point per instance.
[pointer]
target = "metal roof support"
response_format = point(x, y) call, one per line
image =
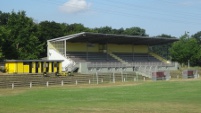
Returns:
point(87, 50)
point(65, 48)
point(148, 53)
point(167, 52)
point(47, 49)
point(133, 51)
point(107, 50)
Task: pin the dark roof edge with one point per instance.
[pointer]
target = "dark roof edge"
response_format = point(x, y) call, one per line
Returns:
point(103, 34)
point(67, 37)
point(120, 35)
point(33, 60)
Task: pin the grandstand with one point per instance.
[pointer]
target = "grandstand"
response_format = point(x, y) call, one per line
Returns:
point(91, 52)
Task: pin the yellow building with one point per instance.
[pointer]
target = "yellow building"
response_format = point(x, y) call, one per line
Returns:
point(33, 66)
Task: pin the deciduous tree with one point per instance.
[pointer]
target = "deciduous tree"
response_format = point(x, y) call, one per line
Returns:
point(185, 50)
point(21, 42)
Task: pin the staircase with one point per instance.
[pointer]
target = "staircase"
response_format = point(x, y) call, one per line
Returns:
point(117, 58)
point(158, 57)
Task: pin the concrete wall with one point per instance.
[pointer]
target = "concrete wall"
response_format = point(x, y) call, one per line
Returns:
point(82, 47)
point(128, 48)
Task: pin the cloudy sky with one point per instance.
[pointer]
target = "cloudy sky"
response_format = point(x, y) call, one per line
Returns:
point(173, 17)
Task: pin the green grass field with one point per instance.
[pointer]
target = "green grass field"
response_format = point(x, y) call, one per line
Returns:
point(142, 97)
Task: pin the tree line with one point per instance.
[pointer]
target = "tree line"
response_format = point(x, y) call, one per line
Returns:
point(21, 38)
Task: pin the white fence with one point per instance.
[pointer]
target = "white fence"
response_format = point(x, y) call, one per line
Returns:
point(95, 78)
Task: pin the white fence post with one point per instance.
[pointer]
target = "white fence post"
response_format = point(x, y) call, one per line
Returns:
point(76, 82)
point(122, 76)
point(144, 78)
point(47, 83)
point(89, 81)
point(62, 83)
point(30, 85)
point(97, 77)
point(13, 85)
point(113, 77)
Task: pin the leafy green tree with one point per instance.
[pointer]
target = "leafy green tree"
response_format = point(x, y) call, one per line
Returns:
point(3, 18)
point(3, 32)
point(3, 35)
point(21, 42)
point(48, 30)
point(105, 29)
point(135, 31)
point(77, 28)
point(118, 31)
point(197, 36)
point(186, 49)
point(162, 50)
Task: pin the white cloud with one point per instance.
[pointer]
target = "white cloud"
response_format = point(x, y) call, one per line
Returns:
point(74, 6)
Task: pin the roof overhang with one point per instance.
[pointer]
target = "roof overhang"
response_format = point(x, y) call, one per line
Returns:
point(115, 39)
point(33, 60)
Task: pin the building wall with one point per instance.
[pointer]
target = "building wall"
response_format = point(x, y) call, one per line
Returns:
point(20, 67)
point(82, 47)
point(30, 67)
point(128, 48)
point(25, 68)
point(119, 48)
point(76, 47)
point(10, 67)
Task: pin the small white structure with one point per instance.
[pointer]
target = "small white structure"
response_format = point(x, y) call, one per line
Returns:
point(161, 75)
point(190, 74)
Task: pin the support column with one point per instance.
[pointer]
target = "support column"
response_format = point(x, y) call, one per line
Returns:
point(65, 48)
point(148, 52)
point(48, 50)
point(87, 51)
point(106, 48)
point(133, 51)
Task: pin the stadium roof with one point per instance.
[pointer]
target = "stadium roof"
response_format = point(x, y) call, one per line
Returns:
point(115, 39)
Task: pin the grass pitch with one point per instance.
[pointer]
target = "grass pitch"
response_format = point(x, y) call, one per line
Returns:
point(143, 97)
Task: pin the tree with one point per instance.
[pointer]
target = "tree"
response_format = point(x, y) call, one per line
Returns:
point(163, 50)
point(77, 28)
point(3, 35)
point(48, 30)
point(135, 31)
point(3, 32)
point(105, 29)
point(186, 49)
point(197, 36)
point(21, 42)
point(3, 18)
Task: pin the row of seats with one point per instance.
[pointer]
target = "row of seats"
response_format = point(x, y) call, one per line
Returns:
point(104, 57)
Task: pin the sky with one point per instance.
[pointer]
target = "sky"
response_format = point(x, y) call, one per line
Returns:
point(171, 17)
